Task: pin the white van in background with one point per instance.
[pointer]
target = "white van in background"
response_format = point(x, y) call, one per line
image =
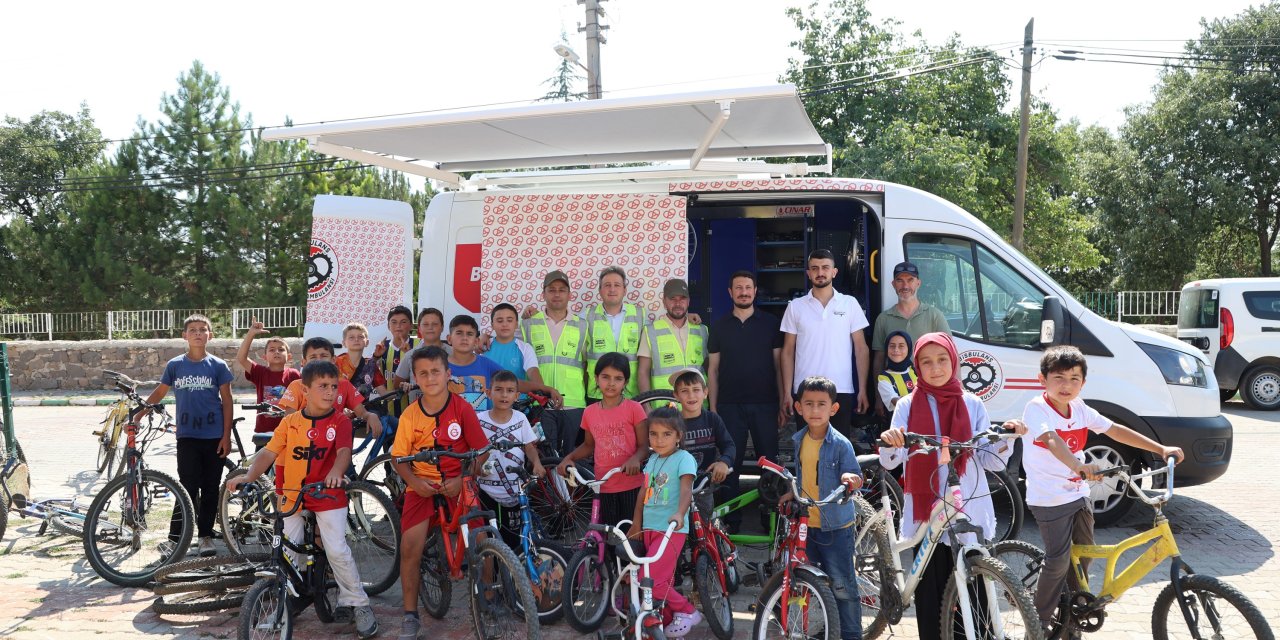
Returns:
point(1235, 322)
point(490, 238)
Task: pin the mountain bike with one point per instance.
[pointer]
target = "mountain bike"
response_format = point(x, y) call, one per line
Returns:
point(589, 575)
point(379, 468)
point(245, 528)
point(1209, 607)
point(640, 617)
point(113, 424)
point(203, 585)
point(544, 562)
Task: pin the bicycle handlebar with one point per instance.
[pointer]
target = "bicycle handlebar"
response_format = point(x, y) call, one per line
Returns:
point(1143, 494)
point(616, 532)
point(389, 396)
point(132, 384)
point(264, 407)
point(840, 494)
point(929, 444)
point(702, 483)
point(316, 490)
point(576, 478)
point(434, 456)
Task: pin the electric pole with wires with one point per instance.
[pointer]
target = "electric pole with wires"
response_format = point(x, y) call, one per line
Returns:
point(595, 38)
point(1020, 184)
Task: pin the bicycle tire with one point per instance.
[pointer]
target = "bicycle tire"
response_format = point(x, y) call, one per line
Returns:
point(373, 534)
point(732, 577)
point(199, 602)
point(586, 571)
point(873, 566)
point(716, 607)
point(548, 588)
point(1015, 595)
point(66, 525)
point(97, 530)
point(267, 598)
point(563, 512)
point(109, 440)
point(389, 481)
point(1008, 505)
point(511, 583)
point(656, 399)
point(105, 456)
point(1026, 560)
point(435, 590)
point(801, 582)
point(196, 569)
point(873, 489)
point(208, 584)
point(1207, 589)
point(324, 590)
point(245, 528)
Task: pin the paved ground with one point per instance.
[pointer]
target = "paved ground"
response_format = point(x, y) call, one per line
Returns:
point(1227, 529)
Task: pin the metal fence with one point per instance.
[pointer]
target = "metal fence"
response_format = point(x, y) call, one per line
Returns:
point(1137, 307)
point(142, 323)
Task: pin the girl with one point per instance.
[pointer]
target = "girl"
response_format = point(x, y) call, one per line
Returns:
point(938, 407)
point(668, 490)
point(614, 432)
point(899, 377)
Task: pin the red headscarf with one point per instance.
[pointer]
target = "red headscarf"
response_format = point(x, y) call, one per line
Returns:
point(953, 421)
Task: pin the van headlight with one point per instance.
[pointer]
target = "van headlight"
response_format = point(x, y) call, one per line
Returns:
point(1177, 367)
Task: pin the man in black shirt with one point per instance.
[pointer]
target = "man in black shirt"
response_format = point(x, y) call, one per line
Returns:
point(744, 377)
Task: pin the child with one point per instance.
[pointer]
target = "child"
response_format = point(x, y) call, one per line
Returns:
point(516, 355)
point(323, 436)
point(392, 352)
point(668, 482)
point(501, 486)
point(945, 409)
point(437, 420)
point(824, 460)
point(898, 378)
point(705, 436)
point(295, 396)
point(202, 390)
point(1058, 424)
point(271, 380)
point(363, 373)
point(471, 372)
point(614, 432)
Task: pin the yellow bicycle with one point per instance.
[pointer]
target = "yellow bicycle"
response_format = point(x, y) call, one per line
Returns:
point(1211, 608)
point(113, 425)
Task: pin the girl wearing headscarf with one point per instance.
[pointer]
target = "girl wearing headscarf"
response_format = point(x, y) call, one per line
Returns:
point(940, 407)
point(899, 377)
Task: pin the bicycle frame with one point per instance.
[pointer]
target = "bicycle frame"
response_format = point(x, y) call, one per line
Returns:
point(703, 539)
point(741, 502)
point(640, 583)
point(455, 529)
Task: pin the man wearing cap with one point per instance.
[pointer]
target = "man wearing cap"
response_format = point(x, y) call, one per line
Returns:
point(558, 338)
point(671, 343)
point(613, 326)
point(910, 315)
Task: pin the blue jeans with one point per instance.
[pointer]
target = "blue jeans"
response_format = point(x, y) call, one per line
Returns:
point(832, 551)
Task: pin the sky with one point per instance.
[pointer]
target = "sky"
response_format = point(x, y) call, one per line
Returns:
point(318, 61)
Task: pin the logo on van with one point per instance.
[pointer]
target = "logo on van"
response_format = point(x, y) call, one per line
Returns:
point(322, 270)
point(466, 276)
point(980, 374)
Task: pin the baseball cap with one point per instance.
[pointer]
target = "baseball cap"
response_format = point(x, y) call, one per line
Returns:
point(552, 276)
point(905, 267)
point(671, 379)
point(675, 287)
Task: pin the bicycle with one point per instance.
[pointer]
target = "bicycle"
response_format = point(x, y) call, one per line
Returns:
point(589, 575)
point(128, 531)
point(1199, 598)
point(545, 563)
point(379, 469)
point(500, 590)
point(641, 617)
point(246, 529)
point(113, 424)
point(884, 589)
point(710, 558)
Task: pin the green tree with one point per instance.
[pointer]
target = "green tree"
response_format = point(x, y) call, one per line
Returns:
point(562, 83)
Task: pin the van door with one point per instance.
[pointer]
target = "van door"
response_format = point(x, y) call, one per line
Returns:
point(1198, 320)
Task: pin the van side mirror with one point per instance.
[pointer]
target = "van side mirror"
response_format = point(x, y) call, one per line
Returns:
point(1053, 325)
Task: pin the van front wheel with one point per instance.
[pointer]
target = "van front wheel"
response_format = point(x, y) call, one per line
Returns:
point(1260, 388)
point(1110, 496)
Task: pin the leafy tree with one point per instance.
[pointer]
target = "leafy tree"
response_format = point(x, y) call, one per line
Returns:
point(562, 83)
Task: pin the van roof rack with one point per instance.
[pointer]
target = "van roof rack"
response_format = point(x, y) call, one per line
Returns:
point(703, 133)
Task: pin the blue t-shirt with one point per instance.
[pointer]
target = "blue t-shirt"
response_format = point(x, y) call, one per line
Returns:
point(661, 491)
point(196, 385)
point(471, 381)
point(508, 356)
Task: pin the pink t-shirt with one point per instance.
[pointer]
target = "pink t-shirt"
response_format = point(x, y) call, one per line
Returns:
point(614, 431)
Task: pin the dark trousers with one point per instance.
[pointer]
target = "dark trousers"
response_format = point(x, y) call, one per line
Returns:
point(563, 428)
point(200, 473)
point(933, 582)
point(1060, 527)
point(760, 421)
point(616, 507)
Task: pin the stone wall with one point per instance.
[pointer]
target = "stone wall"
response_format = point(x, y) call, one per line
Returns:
point(65, 365)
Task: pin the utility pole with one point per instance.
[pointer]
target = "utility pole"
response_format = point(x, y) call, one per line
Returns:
point(1020, 195)
point(595, 38)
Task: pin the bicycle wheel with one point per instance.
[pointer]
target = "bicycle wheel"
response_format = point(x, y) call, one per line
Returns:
point(63, 522)
point(875, 487)
point(1011, 608)
point(381, 473)
point(127, 529)
point(199, 601)
point(502, 604)
point(873, 565)
point(548, 583)
point(324, 590)
point(373, 533)
point(1009, 507)
point(264, 612)
point(1218, 610)
point(810, 610)
point(656, 399)
point(732, 578)
point(247, 525)
point(1025, 561)
point(109, 437)
point(713, 597)
point(200, 569)
point(586, 590)
point(563, 511)
point(436, 589)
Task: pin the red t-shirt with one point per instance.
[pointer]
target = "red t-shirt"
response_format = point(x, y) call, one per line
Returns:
point(295, 396)
point(455, 428)
point(306, 449)
point(270, 386)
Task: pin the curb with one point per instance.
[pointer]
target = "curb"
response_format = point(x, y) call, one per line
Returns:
point(99, 402)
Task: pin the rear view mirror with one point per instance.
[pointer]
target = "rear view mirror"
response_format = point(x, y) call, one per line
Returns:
point(1053, 326)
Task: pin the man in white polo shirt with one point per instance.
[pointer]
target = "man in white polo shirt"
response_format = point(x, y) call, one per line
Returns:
point(823, 336)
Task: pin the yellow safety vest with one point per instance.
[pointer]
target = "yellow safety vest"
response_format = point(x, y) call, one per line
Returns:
point(600, 341)
point(903, 383)
point(560, 363)
point(666, 354)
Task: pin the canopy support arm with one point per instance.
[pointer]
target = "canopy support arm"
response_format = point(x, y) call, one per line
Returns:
point(712, 132)
point(348, 153)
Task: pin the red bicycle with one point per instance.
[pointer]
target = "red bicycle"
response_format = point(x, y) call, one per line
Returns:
point(710, 558)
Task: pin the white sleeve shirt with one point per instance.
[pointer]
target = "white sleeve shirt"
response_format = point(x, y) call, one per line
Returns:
point(824, 346)
point(1049, 482)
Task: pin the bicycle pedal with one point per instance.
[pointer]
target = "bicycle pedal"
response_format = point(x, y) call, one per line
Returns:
point(97, 433)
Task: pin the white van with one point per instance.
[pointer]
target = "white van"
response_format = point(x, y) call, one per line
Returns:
point(1235, 322)
point(490, 238)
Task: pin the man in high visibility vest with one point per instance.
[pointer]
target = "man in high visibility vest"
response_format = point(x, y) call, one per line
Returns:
point(559, 339)
point(613, 326)
point(671, 343)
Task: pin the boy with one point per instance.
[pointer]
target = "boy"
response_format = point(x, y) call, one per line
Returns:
point(430, 326)
point(269, 381)
point(437, 420)
point(202, 390)
point(705, 435)
point(824, 460)
point(501, 485)
point(318, 442)
point(393, 351)
point(363, 373)
point(1058, 425)
point(516, 355)
point(295, 396)
point(472, 373)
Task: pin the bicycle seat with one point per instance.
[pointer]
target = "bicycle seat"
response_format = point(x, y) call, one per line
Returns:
point(261, 439)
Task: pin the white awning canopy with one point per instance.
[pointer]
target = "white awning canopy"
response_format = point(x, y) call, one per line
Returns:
point(726, 124)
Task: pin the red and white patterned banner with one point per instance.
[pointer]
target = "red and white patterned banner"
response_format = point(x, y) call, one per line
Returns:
point(781, 184)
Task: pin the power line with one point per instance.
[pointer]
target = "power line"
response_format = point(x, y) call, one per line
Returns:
point(906, 72)
point(131, 182)
point(83, 180)
point(1167, 65)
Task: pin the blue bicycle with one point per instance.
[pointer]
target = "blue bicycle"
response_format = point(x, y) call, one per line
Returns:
point(542, 560)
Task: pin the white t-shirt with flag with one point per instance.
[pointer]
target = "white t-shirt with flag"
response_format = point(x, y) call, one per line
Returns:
point(503, 484)
point(1049, 482)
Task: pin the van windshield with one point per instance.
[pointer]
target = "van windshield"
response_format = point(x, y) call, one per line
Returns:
point(1198, 309)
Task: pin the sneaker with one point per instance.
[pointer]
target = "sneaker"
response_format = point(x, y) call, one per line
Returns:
point(366, 623)
point(342, 615)
point(682, 623)
point(410, 628)
point(206, 548)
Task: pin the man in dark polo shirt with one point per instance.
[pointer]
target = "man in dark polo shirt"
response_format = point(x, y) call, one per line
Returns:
point(744, 377)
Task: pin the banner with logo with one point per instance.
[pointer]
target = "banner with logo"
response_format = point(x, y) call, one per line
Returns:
point(526, 236)
point(360, 265)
